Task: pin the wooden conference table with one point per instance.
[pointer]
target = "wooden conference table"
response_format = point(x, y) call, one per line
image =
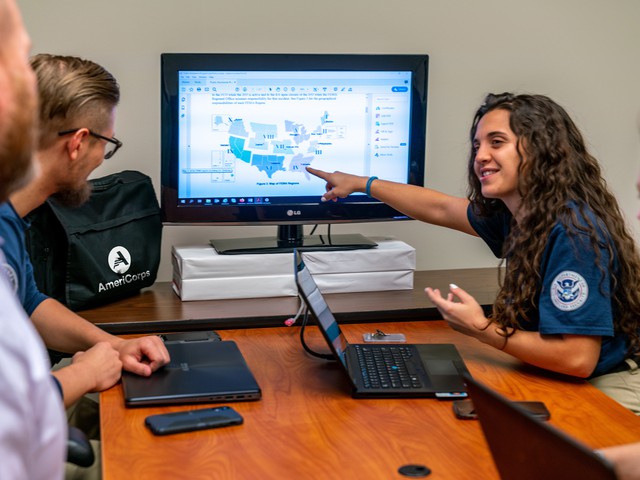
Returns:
point(308, 426)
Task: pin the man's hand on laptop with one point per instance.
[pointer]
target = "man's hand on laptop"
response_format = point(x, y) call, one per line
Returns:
point(92, 370)
point(99, 365)
point(143, 355)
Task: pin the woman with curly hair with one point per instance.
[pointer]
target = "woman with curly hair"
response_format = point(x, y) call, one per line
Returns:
point(570, 299)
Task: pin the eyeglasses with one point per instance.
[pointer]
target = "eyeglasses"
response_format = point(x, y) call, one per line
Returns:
point(113, 144)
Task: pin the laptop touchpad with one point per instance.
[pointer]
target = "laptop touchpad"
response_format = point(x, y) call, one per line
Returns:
point(441, 367)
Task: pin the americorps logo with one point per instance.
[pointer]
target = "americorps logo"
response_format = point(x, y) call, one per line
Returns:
point(120, 261)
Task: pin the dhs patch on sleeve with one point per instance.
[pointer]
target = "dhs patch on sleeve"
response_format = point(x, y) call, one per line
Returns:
point(569, 291)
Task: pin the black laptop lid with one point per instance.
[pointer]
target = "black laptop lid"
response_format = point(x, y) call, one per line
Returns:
point(525, 448)
point(198, 372)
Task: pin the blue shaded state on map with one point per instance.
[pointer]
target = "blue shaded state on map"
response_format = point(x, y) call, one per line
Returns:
point(260, 146)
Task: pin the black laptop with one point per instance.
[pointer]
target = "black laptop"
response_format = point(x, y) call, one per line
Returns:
point(385, 370)
point(199, 372)
point(525, 448)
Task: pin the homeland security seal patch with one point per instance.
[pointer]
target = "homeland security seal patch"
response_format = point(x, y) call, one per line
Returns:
point(569, 291)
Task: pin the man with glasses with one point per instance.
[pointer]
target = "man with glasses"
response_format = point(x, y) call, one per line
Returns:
point(109, 150)
point(77, 115)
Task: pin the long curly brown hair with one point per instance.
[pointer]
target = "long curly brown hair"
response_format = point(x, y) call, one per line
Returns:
point(557, 173)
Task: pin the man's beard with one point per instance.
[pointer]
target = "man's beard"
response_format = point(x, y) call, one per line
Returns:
point(18, 140)
point(73, 196)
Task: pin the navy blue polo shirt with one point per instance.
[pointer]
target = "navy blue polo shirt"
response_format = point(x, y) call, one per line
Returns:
point(574, 295)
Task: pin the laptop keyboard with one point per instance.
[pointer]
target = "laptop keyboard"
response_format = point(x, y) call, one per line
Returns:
point(387, 366)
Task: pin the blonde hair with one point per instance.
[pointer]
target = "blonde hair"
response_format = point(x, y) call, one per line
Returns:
point(73, 93)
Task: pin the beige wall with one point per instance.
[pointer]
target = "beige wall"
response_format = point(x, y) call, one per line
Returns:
point(583, 53)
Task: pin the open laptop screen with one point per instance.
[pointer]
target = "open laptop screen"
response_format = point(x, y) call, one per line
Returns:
point(326, 321)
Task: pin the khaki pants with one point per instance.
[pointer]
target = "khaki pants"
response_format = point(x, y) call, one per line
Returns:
point(623, 387)
point(85, 414)
point(94, 472)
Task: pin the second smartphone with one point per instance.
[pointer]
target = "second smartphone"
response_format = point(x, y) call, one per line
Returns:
point(464, 409)
point(167, 423)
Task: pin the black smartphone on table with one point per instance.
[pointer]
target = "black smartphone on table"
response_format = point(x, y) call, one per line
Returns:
point(191, 420)
point(464, 409)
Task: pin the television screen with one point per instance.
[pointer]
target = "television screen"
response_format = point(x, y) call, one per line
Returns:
point(238, 131)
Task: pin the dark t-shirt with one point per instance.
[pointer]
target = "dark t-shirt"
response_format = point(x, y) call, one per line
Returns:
point(18, 264)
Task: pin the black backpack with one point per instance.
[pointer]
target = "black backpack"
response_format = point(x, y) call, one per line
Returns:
point(105, 250)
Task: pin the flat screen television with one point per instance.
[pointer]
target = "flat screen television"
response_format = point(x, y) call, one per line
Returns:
point(238, 130)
